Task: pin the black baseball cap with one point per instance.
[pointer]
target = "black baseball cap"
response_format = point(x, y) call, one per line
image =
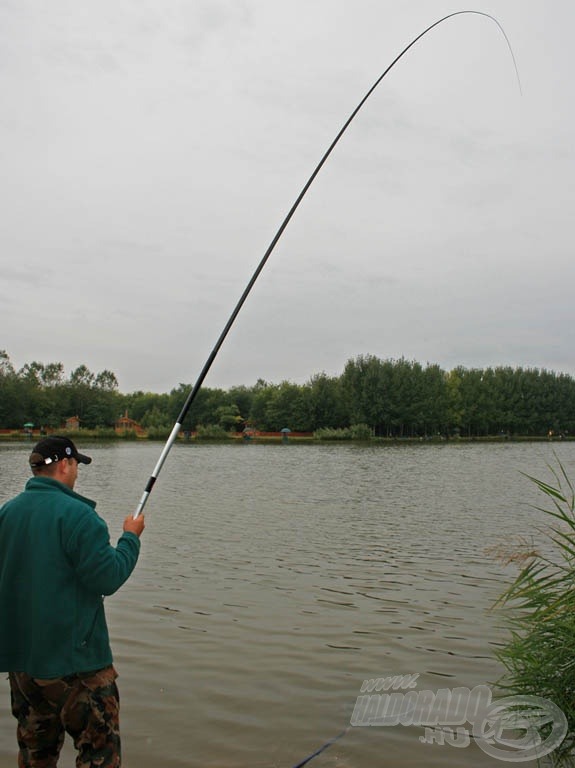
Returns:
point(54, 448)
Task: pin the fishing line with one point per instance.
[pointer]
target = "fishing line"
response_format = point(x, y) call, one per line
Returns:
point(323, 747)
point(435, 728)
point(200, 380)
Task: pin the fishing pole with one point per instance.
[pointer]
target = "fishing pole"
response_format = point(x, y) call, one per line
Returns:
point(200, 380)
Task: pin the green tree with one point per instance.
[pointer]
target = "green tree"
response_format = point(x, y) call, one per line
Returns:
point(242, 397)
point(204, 409)
point(106, 381)
point(454, 401)
point(9, 400)
point(155, 418)
point(435, 408)
point(93, 397)
point(326, 402)
point(81, 377)
point(229, 417)
point(288, 407)
point(366, 389)
point(263, 394)
point(52, 375)
point(148, 408)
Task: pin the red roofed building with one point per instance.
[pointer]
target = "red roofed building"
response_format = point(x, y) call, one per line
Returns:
point(125, 424)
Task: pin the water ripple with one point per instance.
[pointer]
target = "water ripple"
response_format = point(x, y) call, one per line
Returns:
point(274, 580)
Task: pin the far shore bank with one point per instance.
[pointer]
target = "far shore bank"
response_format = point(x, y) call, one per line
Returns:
point(109, 435)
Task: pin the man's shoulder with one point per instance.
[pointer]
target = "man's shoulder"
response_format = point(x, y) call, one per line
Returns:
point(15, 501)
point(47, 485)
point(7, 505)
point(51, 499)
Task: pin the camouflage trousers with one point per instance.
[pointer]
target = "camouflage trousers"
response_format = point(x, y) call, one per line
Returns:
point(86, 706)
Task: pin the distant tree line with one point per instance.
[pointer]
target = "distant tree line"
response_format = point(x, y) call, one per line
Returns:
point(41, 395)
point(394, 398)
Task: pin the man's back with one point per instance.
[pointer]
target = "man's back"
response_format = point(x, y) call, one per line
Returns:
point(56, 562)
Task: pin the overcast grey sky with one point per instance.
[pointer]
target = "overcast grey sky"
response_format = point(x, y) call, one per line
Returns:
point(150, 149)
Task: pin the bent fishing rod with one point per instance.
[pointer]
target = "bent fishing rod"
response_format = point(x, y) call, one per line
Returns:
point(212, 356)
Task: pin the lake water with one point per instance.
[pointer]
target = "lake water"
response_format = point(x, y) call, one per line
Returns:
point(275, 579)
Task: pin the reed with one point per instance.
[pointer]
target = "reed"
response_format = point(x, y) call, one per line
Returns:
point(539, 657)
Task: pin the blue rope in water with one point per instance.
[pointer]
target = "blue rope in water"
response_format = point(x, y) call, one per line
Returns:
point(321, 749)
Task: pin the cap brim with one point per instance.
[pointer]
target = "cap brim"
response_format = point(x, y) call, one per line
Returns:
point(81, 459)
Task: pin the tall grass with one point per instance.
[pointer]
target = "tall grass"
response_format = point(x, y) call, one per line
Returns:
point(354, 432)
point(539, 657)
point(211, 432)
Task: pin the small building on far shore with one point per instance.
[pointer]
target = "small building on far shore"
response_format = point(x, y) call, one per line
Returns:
point(125, 424)
point(72, 423)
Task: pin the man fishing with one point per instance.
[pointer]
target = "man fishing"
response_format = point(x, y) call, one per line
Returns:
point(56, 563)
